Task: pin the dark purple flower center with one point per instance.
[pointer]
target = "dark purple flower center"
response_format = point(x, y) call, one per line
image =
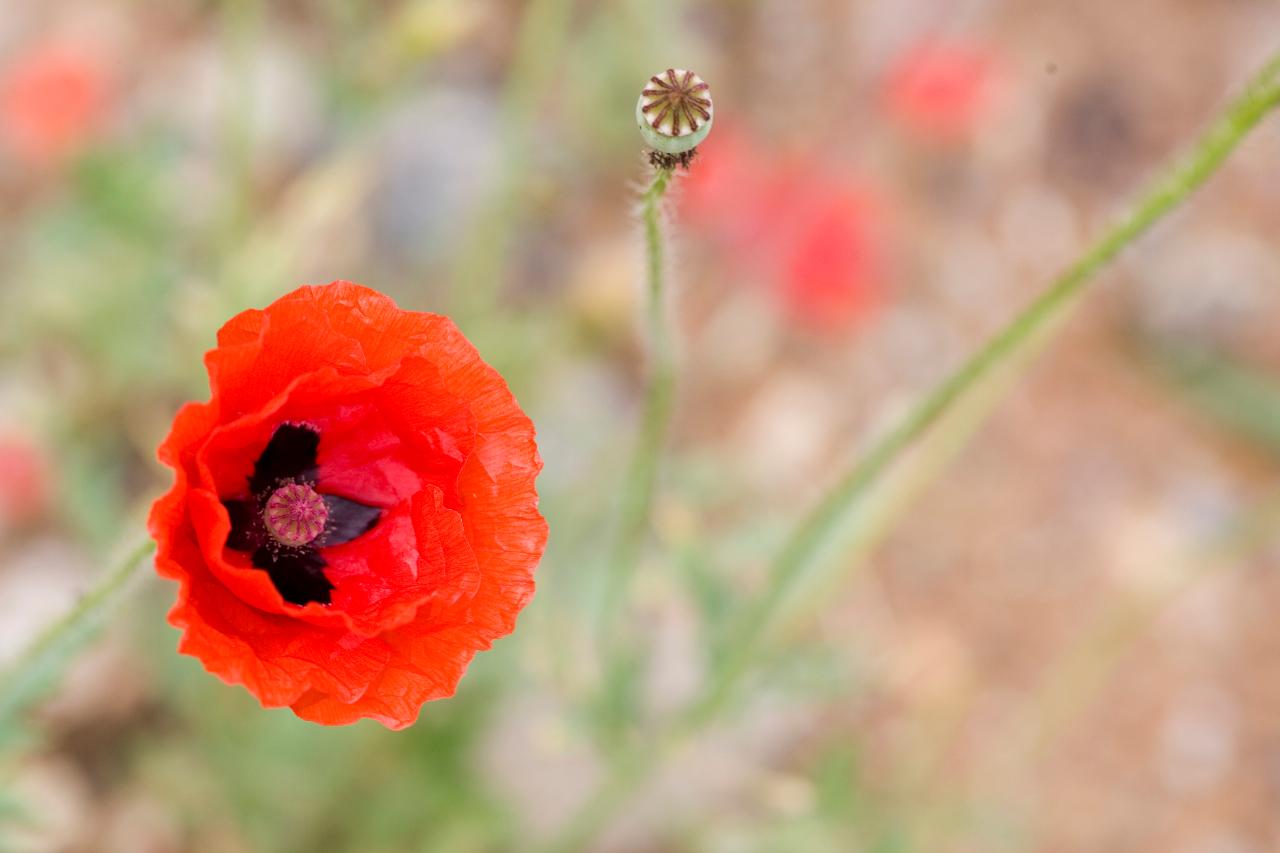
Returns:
point(285, 520)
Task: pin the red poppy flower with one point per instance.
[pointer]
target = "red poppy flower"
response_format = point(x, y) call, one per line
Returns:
point(52, 99)
point(24, 481)
point(812, 235)
point(940, 89)
point(830, 267)
point(354, 513)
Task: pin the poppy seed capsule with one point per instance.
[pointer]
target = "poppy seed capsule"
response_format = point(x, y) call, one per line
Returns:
point(675, 112)
point(295, 514)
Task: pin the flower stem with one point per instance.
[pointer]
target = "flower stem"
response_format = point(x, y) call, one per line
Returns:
point(1016, 340)
point(25, 675)
point(637, 492)
point(1015, 343)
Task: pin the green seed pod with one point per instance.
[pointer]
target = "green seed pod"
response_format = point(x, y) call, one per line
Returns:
point(675, 111)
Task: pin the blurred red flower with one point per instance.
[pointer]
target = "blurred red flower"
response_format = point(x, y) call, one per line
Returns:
point(53, 98)
point(940, 89)
point(831, 265)
point(809, 233)
point(354, 513)
point(24, 481)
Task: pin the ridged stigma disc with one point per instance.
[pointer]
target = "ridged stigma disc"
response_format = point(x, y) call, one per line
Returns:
point(675, 111)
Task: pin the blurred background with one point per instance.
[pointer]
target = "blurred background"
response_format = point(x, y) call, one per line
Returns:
point(1064, 640)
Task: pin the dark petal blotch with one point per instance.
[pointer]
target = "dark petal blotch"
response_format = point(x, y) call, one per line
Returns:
point(298, 574)
point(245, 521)
point(290, 455)
point(347, 520)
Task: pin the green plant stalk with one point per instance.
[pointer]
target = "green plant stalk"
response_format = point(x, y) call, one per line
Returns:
point(1236, 396)
point(1068, 685)
point(887, 505)
point(631, 768)
point(241, 22)
point(638, 490)
point(479, 270)
point(23, 675)
point(1018, 340)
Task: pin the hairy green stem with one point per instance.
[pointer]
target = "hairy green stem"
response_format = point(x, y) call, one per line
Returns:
point(23, 677)
point(1017, 340)
point(642, 477)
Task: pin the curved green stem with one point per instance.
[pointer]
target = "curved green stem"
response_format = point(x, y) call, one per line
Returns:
point(1018, 339)
point(24, 675)
point(642, 477)
point(808, 544)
